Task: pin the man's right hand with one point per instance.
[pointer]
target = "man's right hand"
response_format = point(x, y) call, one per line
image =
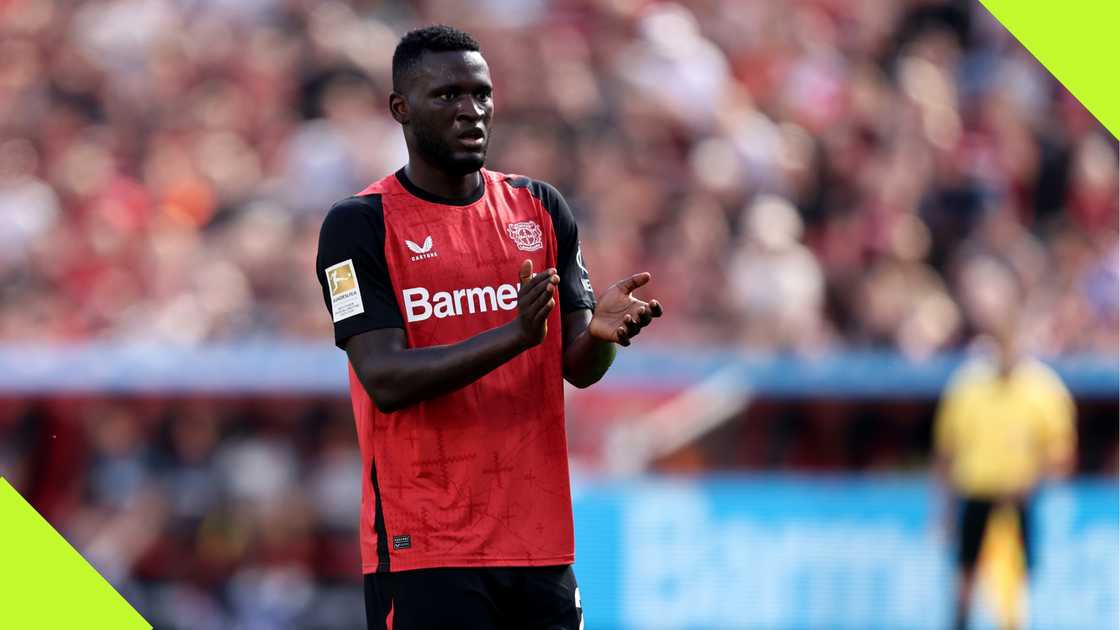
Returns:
point(535, 300)
point(396, 376)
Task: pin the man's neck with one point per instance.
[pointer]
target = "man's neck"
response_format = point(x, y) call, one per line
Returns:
point(439, 183)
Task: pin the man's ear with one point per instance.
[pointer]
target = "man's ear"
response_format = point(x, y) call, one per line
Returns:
point(398, 107)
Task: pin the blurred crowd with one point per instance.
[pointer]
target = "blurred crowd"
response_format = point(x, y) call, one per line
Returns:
point(797, 175)
point(204, 514)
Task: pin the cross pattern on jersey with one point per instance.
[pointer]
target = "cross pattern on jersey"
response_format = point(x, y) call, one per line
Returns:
point(477, 477)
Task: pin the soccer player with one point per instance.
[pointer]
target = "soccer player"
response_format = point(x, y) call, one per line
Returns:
point(462, 301)
point(1001, 427)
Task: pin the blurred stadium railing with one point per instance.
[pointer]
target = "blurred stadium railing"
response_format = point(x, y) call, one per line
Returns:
point(316, 368)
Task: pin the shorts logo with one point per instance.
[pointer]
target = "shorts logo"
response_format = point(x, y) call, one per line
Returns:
point(526, 235)
point(402, 542)
point(346, 297)
point(421, 251)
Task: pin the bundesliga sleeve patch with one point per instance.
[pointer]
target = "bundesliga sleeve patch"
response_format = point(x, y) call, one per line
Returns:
point(346, 298)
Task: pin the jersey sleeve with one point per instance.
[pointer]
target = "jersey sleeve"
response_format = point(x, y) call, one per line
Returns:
point(1058, 416)
point(352, 269)
point(953, 411)
point(575, 280)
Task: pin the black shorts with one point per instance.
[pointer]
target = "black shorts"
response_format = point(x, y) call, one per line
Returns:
point(513, 598)
point(974, 515)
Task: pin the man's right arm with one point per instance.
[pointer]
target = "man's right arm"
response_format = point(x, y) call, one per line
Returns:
point(358, 292)
point(396, 376)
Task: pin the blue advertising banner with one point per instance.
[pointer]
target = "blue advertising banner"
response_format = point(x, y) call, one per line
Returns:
point(780, 552)
point(269, 366)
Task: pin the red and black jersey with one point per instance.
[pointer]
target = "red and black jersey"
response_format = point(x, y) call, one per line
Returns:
point(479, 476)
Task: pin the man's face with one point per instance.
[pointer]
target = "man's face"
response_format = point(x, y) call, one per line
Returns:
point(450, 105)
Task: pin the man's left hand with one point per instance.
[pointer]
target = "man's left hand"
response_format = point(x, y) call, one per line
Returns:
point(619, 316)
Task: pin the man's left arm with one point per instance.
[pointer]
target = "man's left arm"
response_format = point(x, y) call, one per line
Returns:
point(591, 327)
point(590, 336)
point(586, 360)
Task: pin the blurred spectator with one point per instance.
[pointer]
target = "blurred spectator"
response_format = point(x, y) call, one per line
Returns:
point(775, 280)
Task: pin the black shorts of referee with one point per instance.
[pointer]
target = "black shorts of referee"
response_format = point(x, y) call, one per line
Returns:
point(503, 598)
point(974, 516)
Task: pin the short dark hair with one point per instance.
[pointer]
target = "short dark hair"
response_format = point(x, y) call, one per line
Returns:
point(437, 38)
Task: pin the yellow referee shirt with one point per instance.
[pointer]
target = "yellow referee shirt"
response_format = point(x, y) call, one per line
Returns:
point(1001, 434)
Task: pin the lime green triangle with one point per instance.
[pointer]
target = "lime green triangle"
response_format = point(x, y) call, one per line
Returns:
point(45, 583)
point(1077, 42)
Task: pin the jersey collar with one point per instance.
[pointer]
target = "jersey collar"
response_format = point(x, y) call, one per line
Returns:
point(416, 191)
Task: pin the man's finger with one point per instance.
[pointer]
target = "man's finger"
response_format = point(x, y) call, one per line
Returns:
point(544, 277)
point(526, 271)
point(632, 326)
point(644, 316)
point(622, 338)
point(542, 314)
point(630, 284)
point(540, 282)
point(655, 308)
point(538, 295)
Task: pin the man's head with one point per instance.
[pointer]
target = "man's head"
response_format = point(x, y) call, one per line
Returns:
point(442, 97)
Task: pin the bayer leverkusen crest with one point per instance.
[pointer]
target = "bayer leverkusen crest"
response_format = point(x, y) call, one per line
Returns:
point(526, 235)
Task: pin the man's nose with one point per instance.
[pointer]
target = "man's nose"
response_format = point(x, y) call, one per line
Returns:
point(471, 109)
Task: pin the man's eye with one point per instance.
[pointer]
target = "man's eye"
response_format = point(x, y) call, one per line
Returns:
point(485, 96)
point(446, 96)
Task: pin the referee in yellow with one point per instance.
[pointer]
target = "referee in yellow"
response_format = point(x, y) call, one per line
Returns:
point(1001, 427)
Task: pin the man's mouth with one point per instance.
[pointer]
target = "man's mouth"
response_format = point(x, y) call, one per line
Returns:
point(472, 138)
